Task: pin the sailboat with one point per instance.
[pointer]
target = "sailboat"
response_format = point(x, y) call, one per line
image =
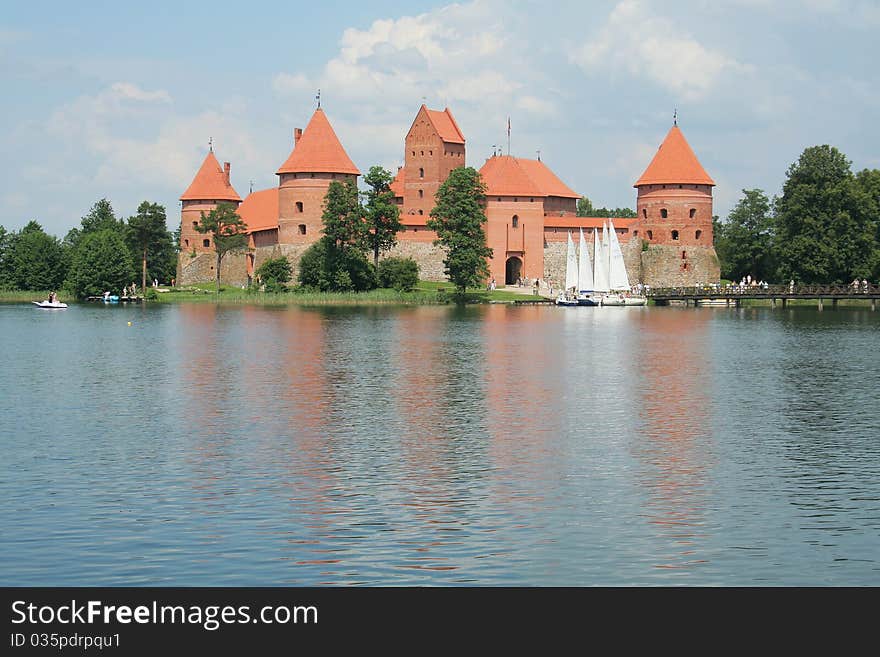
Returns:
point(566, 296)
point(585, 276)
point(619, 293)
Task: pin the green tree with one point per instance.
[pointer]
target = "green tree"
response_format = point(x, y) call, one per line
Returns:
point(329, 269)
point(745, 244)
point(228, 233)
point(399, 273)
point(823, 227)
point(868, 181)
point(5, 259)
point(274, 273)
point(343, 217)
point(101, 262)
point(458, 220)
point(36, 260)
point(584, 207)
point(147, 234)
point(381, 213)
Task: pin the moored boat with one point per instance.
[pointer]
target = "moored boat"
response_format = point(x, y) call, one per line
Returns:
point(50, 304)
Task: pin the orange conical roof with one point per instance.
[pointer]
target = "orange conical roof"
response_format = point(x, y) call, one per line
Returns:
point(210, 183)
point(675, 163)
point(318, 150)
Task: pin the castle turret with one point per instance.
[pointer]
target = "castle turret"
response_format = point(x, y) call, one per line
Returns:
point(210, 187)
point(318, 159)
point(674, 207)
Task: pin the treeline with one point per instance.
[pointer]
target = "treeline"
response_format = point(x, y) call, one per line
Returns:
point(103, 253)
point(585, 209)
point(824, 228)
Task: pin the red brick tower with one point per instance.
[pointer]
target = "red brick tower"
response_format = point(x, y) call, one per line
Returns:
point(318, 159)
point(210, 187)
point(434, 147)
point(674, 197)
point(674, 207)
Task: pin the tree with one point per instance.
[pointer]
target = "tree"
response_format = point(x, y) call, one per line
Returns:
point(101, 262)
point(227, 231)
point(274, 273)
point(745, 241)
point(402, 274)
point(343, 220)
point(823, 226)
point(329, 269)
point(36, 260)
point(5, 259)
point(146, 234)
point(868, 181)
point(584, 207)
point(381, 213)
point(458, 220)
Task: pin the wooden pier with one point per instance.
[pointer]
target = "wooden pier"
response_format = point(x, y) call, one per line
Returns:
point(137, 299)
point(776, 294)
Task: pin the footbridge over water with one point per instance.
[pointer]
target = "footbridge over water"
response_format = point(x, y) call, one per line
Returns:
point(777, 294)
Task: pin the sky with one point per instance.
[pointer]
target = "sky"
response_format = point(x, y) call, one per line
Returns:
point(118, 100)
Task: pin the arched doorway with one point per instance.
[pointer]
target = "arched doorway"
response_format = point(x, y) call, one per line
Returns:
point(512, 270)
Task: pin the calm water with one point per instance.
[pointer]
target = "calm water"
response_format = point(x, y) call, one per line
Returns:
point(210, 445)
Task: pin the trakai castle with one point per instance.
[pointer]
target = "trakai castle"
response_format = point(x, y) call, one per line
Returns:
point(530, 211)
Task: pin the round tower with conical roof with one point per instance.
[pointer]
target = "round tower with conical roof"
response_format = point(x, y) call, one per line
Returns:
point(318, 159)
point(210, 187)
point(674, 206)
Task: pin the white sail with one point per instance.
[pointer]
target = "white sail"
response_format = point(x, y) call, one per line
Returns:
point(617, 278)
point(600, 264)
point(571, 266)
point(585, 270)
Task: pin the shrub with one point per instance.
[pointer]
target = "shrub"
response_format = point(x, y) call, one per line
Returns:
point(275, 269)
point(274, 287)
point(402, 274)
point(152, 295)
point(328, 268)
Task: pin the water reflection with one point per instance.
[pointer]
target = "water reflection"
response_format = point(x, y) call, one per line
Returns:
point(674, 440)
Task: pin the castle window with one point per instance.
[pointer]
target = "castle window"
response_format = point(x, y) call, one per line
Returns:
point(515, 221)
point(675, 234)
point(421, 212)
point(414, 153)
point(313, 175)
point(693, 213)
point(684, 255)
point(635, 233)
point(679, 186)
point(663, 213)
point(186, 243)
point(650, 234)
point(299, 206)
point(302, 229)
point(421, 193)
point(515, 200)
point(196, 225)
point(422, 152)
point(499, 199)
point(531, 200)
point(698, 234)
point(421, 172)
point(644, 213)
point(206, 243)
point(430, 152)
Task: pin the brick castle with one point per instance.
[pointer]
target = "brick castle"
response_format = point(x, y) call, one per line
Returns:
point(530, 211)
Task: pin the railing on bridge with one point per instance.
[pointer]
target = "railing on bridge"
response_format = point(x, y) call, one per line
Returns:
point(765, 292)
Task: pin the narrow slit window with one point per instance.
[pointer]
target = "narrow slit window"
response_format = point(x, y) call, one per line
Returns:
point(302, 229)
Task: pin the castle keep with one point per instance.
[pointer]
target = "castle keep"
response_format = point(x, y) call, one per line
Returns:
point(529, 210)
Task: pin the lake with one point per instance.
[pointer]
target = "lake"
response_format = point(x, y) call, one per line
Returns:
point(435, 445)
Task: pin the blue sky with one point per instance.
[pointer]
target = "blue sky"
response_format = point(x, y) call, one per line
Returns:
point(118, 100)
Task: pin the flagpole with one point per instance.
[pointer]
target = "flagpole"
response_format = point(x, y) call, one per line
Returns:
point(508, 136)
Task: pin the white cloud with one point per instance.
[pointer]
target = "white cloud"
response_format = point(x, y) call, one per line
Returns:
point(652, 47)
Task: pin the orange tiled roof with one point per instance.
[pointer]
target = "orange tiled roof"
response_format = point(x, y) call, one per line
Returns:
point(545, 179)
point(318, 150)
point(210, 183)
point(675, 163)
point(397, 183)
point(505, 175)
point(260, 210)
point(445, 125)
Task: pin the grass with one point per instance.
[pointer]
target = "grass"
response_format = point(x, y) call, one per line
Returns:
point(33, 295)
point(426, 293)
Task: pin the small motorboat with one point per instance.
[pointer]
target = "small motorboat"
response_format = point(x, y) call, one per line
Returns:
point(563, 300)
point(49, 304)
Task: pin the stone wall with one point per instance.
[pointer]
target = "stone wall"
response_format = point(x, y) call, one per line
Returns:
point(201, 269)
point(674, 266)
point(555, 254)
point(427, 256)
